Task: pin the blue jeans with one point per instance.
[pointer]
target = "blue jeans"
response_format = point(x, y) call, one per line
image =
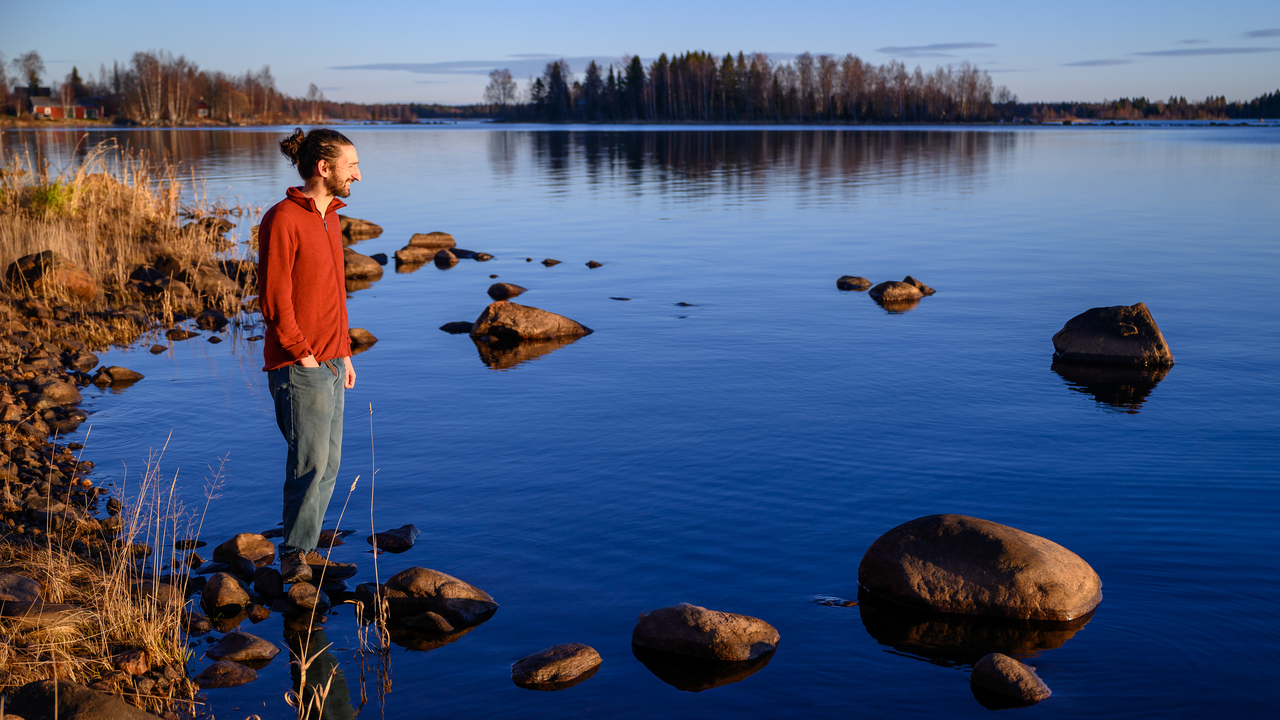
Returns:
point(308, 404)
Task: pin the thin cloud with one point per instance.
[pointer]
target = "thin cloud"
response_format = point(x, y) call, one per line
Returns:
point(1193, 42)
point(934, 50)
point(1196, 52)
point(1271, 32)
point(1097, 63)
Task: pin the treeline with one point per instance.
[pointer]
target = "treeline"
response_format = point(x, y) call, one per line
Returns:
point(1266, 105)
point(699, 87)
point(156, 88)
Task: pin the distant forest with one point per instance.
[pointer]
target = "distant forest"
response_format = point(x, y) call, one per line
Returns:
point(698, 87)
point(156, 88)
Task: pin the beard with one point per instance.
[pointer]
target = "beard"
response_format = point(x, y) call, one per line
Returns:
point(336, 187)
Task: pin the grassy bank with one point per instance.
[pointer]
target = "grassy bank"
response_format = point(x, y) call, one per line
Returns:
point(105, 253)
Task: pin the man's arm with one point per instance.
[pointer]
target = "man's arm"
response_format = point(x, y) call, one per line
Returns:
point(350, 380)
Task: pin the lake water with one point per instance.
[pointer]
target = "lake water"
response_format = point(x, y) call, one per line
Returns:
point(743, 451)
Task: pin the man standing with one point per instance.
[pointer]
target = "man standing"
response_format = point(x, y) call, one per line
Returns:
point(302, 293)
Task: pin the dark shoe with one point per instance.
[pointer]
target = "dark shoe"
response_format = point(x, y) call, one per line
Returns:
point(294, 568)
point(322, 567)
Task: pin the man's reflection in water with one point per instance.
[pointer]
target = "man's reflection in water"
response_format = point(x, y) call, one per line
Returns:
point(336, 698)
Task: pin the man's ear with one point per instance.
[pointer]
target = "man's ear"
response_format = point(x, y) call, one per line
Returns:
point(322, 168)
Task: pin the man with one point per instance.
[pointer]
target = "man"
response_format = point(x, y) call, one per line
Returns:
point(302, 294)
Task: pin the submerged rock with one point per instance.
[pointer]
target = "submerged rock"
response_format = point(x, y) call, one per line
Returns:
point(593, 264)
point(710, 634)
point(509, 321)
point(224, 674)
point(852, 282)
point(457, 328)
point(1121, 334)
point(1009, 677)
point(556, 667)
point(549, 262)
point(969, 566)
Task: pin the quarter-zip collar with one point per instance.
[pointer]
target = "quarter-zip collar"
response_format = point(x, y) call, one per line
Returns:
point(295, 194)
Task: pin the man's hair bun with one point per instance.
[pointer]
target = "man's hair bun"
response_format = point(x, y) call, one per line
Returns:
point(306, 149)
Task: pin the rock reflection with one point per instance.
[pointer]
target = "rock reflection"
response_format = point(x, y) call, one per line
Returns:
point(404, 268)
point(959, 639)
point(897, 307)
point(992, 700)
point(423, 640)
point(1121, 387)
point(695, 674)
point(357, 285)
point(504, 354)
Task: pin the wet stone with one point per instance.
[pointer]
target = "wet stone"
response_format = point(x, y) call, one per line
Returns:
point(225, 674)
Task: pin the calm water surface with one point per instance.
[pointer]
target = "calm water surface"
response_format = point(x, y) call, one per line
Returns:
point(742, 452)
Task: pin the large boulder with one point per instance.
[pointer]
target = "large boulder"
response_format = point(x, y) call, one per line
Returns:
point(511, 322)
point(259, 550)
point(355, 229)
point(1009, 677)
point(48, 273)
point(557, 667)
point(1121, 334)
point(63, 699)
point(965, 565)
point(239, 646)
point(417, 591)
point(697, 632)
point(360, 267)
point(433, 240)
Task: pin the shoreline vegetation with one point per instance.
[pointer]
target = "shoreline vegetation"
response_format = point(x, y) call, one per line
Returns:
point(156, 89)
point(92, 589)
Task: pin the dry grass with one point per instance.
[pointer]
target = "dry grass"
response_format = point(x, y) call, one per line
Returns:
point(106, 579)
point(109, 213)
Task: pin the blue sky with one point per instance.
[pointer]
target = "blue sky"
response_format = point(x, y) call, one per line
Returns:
point(442, 52)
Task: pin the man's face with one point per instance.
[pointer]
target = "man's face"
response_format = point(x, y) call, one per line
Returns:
point(342, 172)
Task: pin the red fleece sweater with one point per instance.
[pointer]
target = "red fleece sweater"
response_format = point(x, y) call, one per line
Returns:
point(302, 282)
